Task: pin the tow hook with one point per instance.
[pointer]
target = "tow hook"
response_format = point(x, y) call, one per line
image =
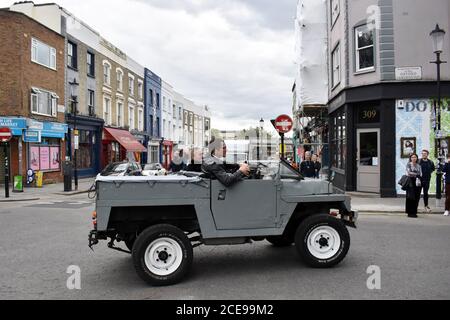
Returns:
point(92, 239)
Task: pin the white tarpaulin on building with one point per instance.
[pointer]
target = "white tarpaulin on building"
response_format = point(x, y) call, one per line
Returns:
point(311, 53)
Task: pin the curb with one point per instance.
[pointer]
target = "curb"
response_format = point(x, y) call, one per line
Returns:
point(20, 200)
point(71, 193)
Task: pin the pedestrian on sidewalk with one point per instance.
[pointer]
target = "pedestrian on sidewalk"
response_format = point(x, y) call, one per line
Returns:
point(414, 173)
point(307, 166)
point(427, 169)
point(446, 170)
point(317, 166)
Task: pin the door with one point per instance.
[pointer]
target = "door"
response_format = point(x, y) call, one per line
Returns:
point(368, 160)
point(249, 204)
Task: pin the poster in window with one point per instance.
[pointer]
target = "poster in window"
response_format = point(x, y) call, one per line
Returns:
point(54, 158)
point(44, 153)
point(408, 147)
point(34, 158)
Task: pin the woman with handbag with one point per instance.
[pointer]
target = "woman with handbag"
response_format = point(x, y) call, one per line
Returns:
point(414, 186)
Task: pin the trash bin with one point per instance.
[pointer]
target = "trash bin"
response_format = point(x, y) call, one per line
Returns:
point(67, 171)
point(18, 184)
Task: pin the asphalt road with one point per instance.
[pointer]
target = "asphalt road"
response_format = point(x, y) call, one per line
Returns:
point(39, 241)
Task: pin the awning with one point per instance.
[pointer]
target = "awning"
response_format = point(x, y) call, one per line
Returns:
point(126, 140)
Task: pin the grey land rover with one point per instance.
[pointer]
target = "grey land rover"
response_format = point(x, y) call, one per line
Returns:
point(162, 218)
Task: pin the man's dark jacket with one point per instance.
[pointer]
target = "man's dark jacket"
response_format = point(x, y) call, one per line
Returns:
point(427, 169)
point(307, 169)
point(215, 168)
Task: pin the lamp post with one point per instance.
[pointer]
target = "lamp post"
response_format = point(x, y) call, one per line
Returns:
point(437, 36)
point(74, 111)
point(259, 133)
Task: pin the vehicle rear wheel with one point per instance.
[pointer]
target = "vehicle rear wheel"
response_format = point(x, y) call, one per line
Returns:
point(162, 255)
point(280, 241)
point(322, 241)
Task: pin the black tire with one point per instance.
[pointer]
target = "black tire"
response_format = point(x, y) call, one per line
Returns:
point(308, 226)
point(280, 241)
point(143, 242)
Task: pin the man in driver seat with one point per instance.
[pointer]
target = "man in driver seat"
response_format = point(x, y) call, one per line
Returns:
point(213, 164)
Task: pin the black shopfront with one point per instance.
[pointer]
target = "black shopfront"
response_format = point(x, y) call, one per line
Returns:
point(363, 134)
point(89, 144)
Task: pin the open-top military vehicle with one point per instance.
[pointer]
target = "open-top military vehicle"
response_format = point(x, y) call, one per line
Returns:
point(162, 218)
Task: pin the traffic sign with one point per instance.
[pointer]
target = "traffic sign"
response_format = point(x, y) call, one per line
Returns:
point(5, 134)
point(283, 124)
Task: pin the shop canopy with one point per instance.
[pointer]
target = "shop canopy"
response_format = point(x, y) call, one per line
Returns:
point(126, 140)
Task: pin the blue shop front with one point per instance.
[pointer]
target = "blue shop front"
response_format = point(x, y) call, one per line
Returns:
point(36, 145)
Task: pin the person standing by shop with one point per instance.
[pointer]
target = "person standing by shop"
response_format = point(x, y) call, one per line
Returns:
point(317, 166)
point(427, 167)
point(307, 166)
point(446, 170)
point(414, 173)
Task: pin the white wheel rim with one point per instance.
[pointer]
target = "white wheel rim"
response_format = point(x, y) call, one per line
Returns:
point(323, 242)
point(163, 256)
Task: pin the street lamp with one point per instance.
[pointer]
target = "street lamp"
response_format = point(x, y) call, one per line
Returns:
point(260, 134)
point(437, 36)
point(74, 111)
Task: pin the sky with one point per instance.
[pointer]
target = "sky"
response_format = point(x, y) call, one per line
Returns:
point(236, 56)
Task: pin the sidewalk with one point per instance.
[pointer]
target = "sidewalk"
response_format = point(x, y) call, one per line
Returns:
point(365, 202)
point(47, 191)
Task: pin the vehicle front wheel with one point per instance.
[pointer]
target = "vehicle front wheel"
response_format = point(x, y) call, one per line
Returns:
point(322, 241)
point(162, 255)
point(280, 241)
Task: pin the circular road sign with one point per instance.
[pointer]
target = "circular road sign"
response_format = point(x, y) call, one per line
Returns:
point(283, 124)
point(5, 134)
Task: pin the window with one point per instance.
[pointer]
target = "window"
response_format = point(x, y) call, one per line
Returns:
point(131, 85)
point(119, 79)
point(91, 102)
point(72, 55)
point(158, 103)
point(107, 110)
point(140, 91)
point(43, 54)
point(334, 11)
point(364, 49)
point(338, 140)
point(158, 133)
point(43, 102)
point(131, 117)
point(90, 64)
point(151, 125)
point(119, 114)
point(336, 66)
point(151, 97)
point(164, 128)
point(164, 103)
point(141, 119)
point(107, 72)
point(174, 111)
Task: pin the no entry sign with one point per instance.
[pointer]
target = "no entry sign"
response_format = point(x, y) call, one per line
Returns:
point(283, 124)
point(5, 134)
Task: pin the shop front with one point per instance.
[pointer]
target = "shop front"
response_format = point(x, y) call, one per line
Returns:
point(154, 147)
point(119, 145)
point(89, 144)
point(38, 146)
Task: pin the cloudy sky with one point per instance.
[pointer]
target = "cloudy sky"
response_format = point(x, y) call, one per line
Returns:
point(234, 55)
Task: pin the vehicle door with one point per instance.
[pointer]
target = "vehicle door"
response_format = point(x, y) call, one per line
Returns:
point(249, 204)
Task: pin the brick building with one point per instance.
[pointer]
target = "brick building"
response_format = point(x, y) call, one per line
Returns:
point(32, 95)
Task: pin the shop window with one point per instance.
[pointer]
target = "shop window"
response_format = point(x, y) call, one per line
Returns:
point(85, 149)
point(45, 156)
point(43, 54)
point(338, 140)
point(364, 45)
point(43, 102)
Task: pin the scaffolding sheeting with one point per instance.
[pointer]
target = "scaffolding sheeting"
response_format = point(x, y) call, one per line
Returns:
point(311, 53)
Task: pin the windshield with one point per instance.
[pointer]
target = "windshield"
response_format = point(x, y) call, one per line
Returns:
point(287, 170)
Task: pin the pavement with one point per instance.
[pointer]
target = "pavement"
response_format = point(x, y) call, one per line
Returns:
point(361, 202)
point(47, 191)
